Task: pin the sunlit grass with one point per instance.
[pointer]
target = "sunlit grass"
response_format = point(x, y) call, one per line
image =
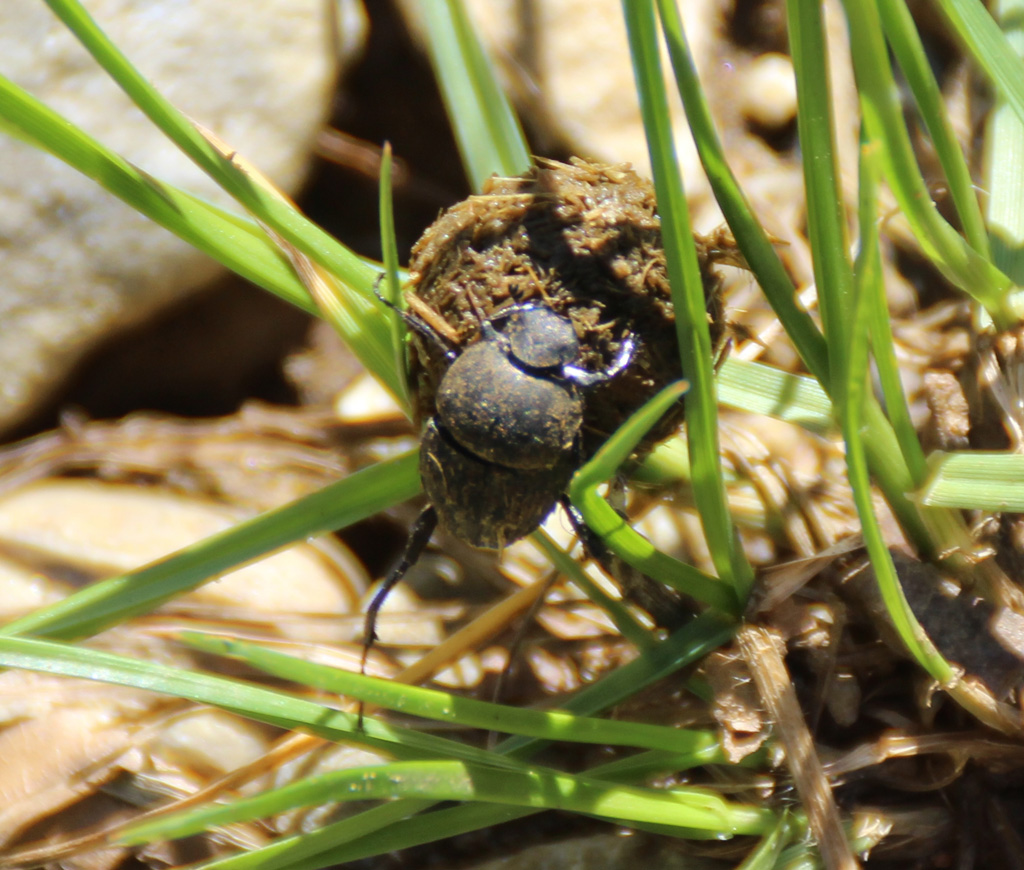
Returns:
point(882, 447)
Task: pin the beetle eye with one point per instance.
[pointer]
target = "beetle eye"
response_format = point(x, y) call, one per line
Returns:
point(541, 339)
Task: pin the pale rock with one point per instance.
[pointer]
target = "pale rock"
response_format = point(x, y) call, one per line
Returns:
point(76, 263)
point(768, 91)
point(106, 529)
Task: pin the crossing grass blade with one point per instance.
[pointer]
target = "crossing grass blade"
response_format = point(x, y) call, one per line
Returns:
point(618, 535)
point(688, 301)
point(116, 599)
point(486, 127)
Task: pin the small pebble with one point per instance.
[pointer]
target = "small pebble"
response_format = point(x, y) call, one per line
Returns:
point(768, 91)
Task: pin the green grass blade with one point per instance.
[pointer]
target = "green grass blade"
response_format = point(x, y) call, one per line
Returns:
point(692, 808)
point(687, 645)
point(617, 533)
point(886, 460)
point(947, 524)
point(392, 830)
point(365, 835)
point(833, 272)
point(883, 118)
point(871, 283)
point(108, 602)
point(620, 446)
point(261, 203)
point(362, 326)
point(446, 707)
point(335, 843)
point(893, 477)
point(700, 809)
point(286, 711)
point(688, 299)
point(892, 385)
point(766, 855)
point(276, 708)
point(856, 375)
point(988, 47)
point(883, 453)
point(761, 389)
point(392, 286)
point(486, 128)
point(645, 557)
point(1004, 164)
point(905, 41)
point(975, 480)
point(232, 240)
point(844, 311)
point(760, 255)
point(642, 765)
point(826, 222)
point(253, 702)
point(391, 826)
point(625, 623)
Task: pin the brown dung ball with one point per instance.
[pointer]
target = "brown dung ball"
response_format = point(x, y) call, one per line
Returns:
point(582, 239)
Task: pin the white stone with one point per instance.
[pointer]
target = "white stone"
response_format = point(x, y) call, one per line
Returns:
point(768, 91)
point(108, 529)
point(76, 263)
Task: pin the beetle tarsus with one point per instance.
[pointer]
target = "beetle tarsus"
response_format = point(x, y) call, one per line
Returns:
point(585, 378)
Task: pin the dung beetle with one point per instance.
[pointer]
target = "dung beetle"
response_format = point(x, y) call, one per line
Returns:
point(520, 299)
point(504, 440)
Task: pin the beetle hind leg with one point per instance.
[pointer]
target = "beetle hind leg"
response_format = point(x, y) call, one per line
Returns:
point(419, 537)
point(665, 606)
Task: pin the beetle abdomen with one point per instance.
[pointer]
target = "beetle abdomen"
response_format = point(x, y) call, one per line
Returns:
point(481, 503)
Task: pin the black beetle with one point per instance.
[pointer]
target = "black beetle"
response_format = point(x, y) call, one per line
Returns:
point(498, 453)
point(504, 440)
point(519, 297)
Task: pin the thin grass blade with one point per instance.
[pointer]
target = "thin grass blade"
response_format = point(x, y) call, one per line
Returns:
point(883, 117)
point(114, 600)
point(446, 707)
point(906, 44)
point(1004, 164)
point(263, 205)
point(336, 843)
point(698, 810)
point(486, 128)
point(856, 374)
point(235, 241)
point(751, 237)
point(975, 480)
point(392, 284)
point(617, 533)
point(688, 301)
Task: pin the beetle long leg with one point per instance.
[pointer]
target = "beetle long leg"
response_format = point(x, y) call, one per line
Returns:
point(663, 604)
point(419, 537)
